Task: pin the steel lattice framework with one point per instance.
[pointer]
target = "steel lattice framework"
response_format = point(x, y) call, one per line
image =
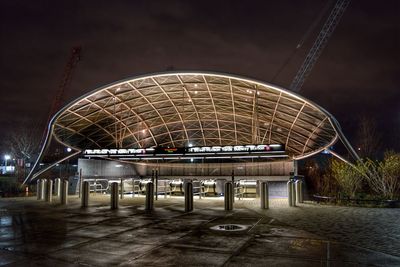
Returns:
point(200, 109)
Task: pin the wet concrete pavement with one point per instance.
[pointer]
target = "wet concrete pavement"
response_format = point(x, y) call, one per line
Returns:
point(35, 233)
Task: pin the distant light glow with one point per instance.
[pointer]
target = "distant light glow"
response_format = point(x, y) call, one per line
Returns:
point(7, 157)
point(69, 149)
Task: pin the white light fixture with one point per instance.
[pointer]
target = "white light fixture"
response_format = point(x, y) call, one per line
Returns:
point(69, 149)
point(7, 157)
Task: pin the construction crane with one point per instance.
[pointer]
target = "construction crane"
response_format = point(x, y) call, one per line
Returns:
point(319, 44)
point(73, 59)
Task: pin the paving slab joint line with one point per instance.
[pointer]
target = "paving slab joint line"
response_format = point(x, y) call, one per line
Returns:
point(264, 212)
point(255, 225)
point(168, 242)
point(238, 250)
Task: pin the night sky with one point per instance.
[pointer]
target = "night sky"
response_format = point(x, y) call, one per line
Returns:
point(357, 74)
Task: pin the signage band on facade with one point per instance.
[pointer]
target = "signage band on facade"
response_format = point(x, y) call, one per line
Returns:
point(188, 150)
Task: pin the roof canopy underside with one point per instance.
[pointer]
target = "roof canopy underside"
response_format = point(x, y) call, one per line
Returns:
point(182, 109)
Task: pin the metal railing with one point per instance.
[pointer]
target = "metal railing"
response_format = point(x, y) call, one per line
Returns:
point(199, 187)
point(238, 192)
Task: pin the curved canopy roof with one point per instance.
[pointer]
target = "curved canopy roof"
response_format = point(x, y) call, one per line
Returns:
point(200, 109)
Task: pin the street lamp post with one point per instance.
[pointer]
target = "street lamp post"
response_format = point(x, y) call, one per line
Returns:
point(6, 157)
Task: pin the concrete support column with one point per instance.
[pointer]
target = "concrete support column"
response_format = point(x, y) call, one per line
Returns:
point(293, 194)
point(264, 195)
point(289, 193)
point(114, 196)
point(188, 196)
point(122, 188)
point(57, 187)
point(43, 189)
point(149, 196)
point(85, 194)
point(49, 190)
point(299, 191)
point(39, 189)
point(64, 192)
point(228, 196)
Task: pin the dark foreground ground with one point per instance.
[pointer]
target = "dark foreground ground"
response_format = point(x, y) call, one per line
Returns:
point(34, 233)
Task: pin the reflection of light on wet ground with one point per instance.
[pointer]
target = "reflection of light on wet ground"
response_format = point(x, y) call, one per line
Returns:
point(6, 221)
point(168, 236)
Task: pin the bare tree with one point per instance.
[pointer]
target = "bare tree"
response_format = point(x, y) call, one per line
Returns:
point(368, 138)
point(24, 141)
point(23, 144)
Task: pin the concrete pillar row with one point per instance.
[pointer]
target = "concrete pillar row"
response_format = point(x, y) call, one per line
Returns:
point(49, 191)
point(228, 196)
point(43, 189)
point(114, 195)
point(299, 191)
point(64, 193)
point(149, 196)
point(264, 195)
point(57, 187)
point(39, 189)
point(188, 196)
point(85, 194)
point(291, 193)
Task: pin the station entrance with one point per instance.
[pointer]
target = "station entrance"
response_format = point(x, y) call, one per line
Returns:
point(169, 179)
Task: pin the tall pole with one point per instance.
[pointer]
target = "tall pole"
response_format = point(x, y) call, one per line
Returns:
point(80, 182)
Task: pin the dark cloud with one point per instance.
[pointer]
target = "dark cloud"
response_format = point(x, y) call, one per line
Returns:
point(357, 73)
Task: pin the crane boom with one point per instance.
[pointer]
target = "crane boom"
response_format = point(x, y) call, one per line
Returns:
point(69, 67)
point(73, 59)
point(319, 44)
